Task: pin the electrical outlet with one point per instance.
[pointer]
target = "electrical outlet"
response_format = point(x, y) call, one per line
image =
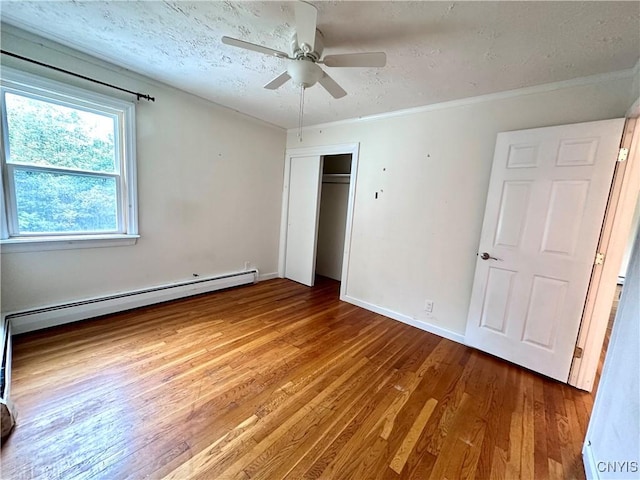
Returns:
point(428, 306)
point(247, 265)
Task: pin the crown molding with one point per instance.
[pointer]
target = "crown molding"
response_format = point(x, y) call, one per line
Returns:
point(543, 88)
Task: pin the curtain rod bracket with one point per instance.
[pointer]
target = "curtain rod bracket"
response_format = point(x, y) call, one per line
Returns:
point(146, 97)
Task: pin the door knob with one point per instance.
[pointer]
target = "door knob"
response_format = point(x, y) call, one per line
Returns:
point(486, 256)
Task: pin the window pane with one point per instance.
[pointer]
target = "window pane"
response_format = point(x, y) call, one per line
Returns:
point(59, 203)
point(44, 133)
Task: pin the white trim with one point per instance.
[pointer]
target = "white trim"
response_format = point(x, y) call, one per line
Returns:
point(129, 155)
point(463, 102)
point(62, 170)
point(339, 149)
point(352, 149)
point(52, 315)
point(54, 90)
point(422, 325)
point(616, 229)
point(267, 276)
point(589, 462)
point(40, 244)
point(123, 113)
point(4, 227)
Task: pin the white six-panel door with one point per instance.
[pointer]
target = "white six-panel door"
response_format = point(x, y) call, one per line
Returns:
point(305, 174)
point(547, 197)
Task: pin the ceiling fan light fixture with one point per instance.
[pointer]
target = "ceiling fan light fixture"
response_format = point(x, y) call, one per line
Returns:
point(304, 73)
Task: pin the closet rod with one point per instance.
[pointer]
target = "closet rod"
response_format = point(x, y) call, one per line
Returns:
point(338, 178)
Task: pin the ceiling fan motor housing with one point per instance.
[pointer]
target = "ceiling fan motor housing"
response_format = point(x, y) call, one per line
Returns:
point(302, 51)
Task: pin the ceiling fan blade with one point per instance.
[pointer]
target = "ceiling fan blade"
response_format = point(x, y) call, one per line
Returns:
point(278, 81)
point(371, 59)
point(234, 42)
point(331, 86)
point(306, 20)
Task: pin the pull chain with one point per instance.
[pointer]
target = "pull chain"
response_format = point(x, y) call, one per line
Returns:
point(301, 113)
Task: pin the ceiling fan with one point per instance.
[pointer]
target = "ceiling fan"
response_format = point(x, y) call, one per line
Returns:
point(306, 55)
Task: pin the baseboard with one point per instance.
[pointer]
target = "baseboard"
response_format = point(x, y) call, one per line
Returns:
point(589, 462)
point(267, 276)
point(49, 316)
point(427, 327)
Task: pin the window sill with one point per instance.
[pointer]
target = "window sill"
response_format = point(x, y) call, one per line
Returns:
point(19, 245)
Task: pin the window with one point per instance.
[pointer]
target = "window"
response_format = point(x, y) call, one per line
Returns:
point(68, 166)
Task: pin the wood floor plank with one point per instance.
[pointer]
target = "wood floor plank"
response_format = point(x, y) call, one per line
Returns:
point(540, 457)
point(527, 461)
point(352, 402)
point(360, 419)
point(277, 380)
point(402, 454)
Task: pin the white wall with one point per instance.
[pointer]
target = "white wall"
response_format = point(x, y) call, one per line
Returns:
point(419, 239)
point(634, 111)
point(634, 97)
point(635, 225)
point(614, 428)
point(209, 188)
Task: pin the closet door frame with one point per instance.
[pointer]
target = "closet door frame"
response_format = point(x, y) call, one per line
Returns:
point(343, 149)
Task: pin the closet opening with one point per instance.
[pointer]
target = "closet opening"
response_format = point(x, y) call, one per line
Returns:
point(332, 222)
point(317, 214)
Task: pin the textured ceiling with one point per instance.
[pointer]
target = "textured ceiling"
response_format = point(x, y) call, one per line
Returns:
point(436, 51)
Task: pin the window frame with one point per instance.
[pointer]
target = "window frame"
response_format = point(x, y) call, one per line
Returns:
point(123, 112)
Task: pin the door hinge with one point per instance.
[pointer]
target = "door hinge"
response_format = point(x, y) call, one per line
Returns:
point(577, 352)
point(623, 153)
point(599, 260)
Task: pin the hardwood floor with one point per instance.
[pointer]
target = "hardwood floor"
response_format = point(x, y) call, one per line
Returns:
point(274, 381)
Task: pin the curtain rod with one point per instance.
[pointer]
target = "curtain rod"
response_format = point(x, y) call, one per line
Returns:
point(57, 69)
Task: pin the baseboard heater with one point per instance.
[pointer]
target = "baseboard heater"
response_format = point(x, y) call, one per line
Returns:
point(36, 319)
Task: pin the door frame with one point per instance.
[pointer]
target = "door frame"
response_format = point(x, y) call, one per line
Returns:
point(321, 150)
point(614, 236)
